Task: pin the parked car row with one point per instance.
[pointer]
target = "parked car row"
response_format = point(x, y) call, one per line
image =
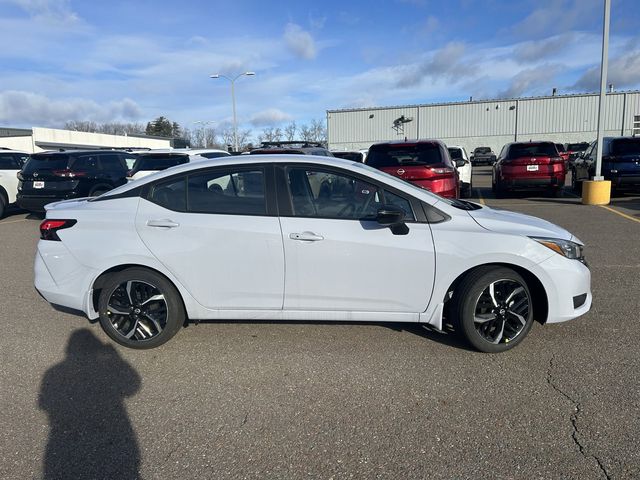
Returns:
point(34, 180)
point(620, 164)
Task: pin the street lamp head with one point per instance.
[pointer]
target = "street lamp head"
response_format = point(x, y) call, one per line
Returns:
point(214, 76)
point(249, 74)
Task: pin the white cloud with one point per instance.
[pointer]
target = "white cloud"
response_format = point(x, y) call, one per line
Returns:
point(28, 108)
point(269, 117)
point(51, 10)
point(623, 71)
point(530, 78)
point(299, 41)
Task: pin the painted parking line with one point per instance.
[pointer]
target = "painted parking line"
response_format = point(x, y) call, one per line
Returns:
point(480, 197)
point(617, 212)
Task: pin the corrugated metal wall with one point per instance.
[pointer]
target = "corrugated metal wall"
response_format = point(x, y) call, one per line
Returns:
point(487, 123)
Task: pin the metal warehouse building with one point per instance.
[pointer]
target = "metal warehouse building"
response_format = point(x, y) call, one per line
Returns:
point(559, 118)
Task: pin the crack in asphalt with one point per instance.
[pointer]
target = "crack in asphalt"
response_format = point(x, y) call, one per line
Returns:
point(577, 408)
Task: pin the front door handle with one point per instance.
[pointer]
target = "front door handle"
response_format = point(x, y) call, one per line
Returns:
point(164, 223)
point(306, 237)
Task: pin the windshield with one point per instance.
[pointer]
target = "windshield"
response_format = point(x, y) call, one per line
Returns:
point(625, 146)
point(519, 150)
point(40, 162)
point(393, 155)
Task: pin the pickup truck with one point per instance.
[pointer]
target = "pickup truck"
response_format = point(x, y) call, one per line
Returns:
point(483, 156)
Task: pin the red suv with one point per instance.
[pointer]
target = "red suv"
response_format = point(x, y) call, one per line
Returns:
point(424, 163)
point(529, 165)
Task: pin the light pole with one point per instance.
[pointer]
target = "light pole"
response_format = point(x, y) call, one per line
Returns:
point(598, 190)
point(233, 101)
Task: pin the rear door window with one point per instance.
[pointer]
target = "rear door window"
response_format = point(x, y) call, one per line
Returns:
point(455, 153)
point(11, 161)
point(170, 194)
point(112, 162)
point(625, 146)
point(158, 162)
point(395, 155)
point(234, 192)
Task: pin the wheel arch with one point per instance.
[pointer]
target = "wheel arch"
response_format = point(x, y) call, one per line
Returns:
point(4, 194)
point(536, 287)
point(100, 280)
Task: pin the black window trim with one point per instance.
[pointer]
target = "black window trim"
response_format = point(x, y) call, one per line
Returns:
point(286, 208)
point(271, 205)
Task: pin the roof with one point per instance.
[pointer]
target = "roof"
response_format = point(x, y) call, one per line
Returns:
point(480, 101)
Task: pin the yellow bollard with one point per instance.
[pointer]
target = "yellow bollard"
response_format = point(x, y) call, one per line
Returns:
point(596, 192)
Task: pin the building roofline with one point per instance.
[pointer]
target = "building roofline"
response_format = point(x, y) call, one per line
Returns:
point(477, 102)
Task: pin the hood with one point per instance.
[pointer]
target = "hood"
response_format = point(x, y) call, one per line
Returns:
point(504, 221)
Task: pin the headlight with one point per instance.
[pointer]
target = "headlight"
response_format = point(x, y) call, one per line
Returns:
point(567, 249)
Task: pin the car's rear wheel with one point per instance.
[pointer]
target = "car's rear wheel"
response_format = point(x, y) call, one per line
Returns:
point(3, 205)
point(139, 308)
point(493, 309)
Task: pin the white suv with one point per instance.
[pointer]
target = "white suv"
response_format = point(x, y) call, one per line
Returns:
point(11, 161)
point(464, 170)
point(150, 162)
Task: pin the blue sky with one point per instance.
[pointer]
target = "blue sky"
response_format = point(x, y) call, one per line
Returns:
point(135, 60)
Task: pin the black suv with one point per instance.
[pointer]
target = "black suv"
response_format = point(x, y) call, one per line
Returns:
point(53, 176)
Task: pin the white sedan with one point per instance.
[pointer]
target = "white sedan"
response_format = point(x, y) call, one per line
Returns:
point(303, 238)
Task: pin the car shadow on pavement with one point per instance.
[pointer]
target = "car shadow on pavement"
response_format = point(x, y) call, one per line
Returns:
point(446, 337)
point(90, 432)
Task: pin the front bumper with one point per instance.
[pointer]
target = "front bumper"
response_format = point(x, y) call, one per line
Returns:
point(567, 281)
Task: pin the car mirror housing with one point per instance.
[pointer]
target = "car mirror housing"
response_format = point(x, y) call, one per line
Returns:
point(393, 217)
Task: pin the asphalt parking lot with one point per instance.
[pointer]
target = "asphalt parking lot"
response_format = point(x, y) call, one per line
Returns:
point(291, 400)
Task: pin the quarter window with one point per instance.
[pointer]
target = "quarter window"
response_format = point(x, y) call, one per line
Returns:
point(317, 193)
point(225, 192)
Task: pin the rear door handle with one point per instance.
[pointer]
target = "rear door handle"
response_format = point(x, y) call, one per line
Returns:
point(306, 237)
point(164, 223)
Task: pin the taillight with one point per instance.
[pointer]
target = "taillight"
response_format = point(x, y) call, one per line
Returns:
point(49, 228)
point(69, 173)
point(556, 160)
point(442, 170)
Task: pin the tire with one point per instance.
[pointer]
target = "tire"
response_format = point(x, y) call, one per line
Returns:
point(499, 191)
point(556, 192)
point(504, 326)
point(143, 323)
point(3, 205)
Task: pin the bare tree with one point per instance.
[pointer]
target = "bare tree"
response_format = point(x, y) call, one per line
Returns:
point(290, 131)
point(318, 131)
point(111, 128)
point(306, 134)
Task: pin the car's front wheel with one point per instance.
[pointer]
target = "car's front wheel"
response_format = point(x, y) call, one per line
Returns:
point(493, 309)
point(139, 308)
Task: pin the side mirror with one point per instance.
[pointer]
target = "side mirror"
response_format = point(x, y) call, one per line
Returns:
point(393, 217)
point(460, 162)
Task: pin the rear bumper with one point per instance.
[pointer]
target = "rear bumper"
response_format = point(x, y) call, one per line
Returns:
point(532, 182)
point(61, 280)
point(36, 203)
